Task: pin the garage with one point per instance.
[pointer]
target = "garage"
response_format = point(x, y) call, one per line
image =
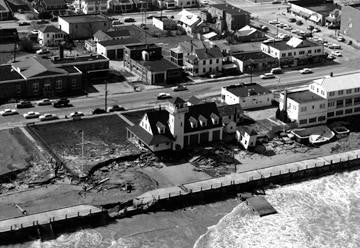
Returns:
point(194, 139)
point(110, 54)
point(204, 137)
point(216, 135)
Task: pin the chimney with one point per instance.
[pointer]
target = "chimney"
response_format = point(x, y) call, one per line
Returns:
point(61, 51)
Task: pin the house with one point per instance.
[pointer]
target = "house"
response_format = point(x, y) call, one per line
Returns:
point(315, 11)
point(147, 62)
point(350, 25)
point(114, 49)
point(54, 7)
point(106, 37)
point(186, 3)
point(304, 107)
point(188, 21)
point(230, 116)
point(50, 36)
point(248, 62)
point(228, 18)
point(120, 6)
point(247, 137)
point(341, 92)
point(166, 4)
point(93, 6)
point(164, 23)
point(184, 49)
point(178, 126)
point(249, 34)
point(294, 52)
point(82, 27)
point(5, 12)
point(248, 96)
point(8, 39)
point(204, 61)
point(36, 77)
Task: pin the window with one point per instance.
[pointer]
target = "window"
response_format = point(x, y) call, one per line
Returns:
point(322, 106)
point(312, 120)
point(356, 100)
point(312, 87)
point(339, 103)
point(58, 84)
point(348, 111)
point(217, 60)
point(294, 53)
point(332, 93)
point(210, 62)
point(339, 112)
point(349, 91)
point(317, 90)
point(331, 104)
point(204, 70)
point(330, 114)
point(321, 118)
point(74, 83)
point(357, 89)
point(357, 109)
point(303, 109)
point(35, 87)
point(18, 89)
point(309, 51)
point(302, 52)
point(348, 102)
point(302, 122)
point(289, 54)
point(283, 54)
point(340, 92)
point(313, 106)
point(322, 92)
point(204, 62)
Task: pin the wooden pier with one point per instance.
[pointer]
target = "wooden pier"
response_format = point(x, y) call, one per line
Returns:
point(260, 205)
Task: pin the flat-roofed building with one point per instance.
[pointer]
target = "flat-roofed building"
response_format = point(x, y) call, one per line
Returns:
point(248, 96)
point(248, 62)
point(114, 49)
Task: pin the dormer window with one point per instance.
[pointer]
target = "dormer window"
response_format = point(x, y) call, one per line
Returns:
point(160, 127)
point(203, 121)
point(193, 122)
point(214, 119)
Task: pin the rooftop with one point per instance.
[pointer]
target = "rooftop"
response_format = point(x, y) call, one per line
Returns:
point(227, 110)
point(244, 90)
point(188, 18)
point(78, 59)
point(158, 65)
point(252, 55)
point(3, 6)
point(288, 45)
point(247, 129)
point(304, 96)
point(229, 9)
point(208, 53)
point(318, 6)
point(8, 73)
point(342, 82)
point(125, 41)
point(84, 18)
point(355, 6)
point(206, 109)
point(141, 46)
point(50, 29)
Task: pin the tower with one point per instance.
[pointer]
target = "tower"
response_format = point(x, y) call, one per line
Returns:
point(177, 109)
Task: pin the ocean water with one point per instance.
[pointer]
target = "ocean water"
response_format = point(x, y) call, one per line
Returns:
point(319, 213)
point(314, 214)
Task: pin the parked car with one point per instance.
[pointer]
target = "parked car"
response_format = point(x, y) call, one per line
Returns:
point(63, 102)
point(76, 114)
point(48, 117)
point(129, 20)
point(116, 23)
point(267, 76)
point(306, 71)
point(340, 38)
point(98, 111)
point(115, 108)
point(277, 70)
point(330, 57)
point(349, 42)
point(180, 87)
point(334, 46)
point(299, 22)
point(274, 22)
point(288, 27)
point(44, 102)
point(31, 115)
point(24, 23)
point(7, 112)
point(42, 51)
point(336, 53)
point(24, 104)
point(316, 30)
point(292, 19)
point(163, 96)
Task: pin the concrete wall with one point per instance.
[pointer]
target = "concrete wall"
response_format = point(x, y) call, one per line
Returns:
point(350, 23)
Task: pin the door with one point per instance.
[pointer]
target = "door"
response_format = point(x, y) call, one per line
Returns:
point(204, 137)
point(216, 135)
point(110, 54)
point(194, 139)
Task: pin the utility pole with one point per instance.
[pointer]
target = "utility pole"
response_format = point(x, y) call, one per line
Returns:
point(106, 94)
point(82, 151)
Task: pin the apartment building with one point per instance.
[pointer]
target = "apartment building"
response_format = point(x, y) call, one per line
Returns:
point(294, 52)
point(204, 61)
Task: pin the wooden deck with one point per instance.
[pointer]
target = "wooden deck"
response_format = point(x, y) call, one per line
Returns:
point(260, 205)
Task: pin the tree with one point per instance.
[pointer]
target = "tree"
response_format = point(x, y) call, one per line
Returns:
point(26, 45)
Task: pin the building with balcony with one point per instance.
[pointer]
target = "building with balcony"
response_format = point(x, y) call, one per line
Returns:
point(294, 52)
point(248, 96)
point(178, 126)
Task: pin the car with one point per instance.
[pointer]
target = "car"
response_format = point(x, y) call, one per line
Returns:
point(349, 42)
point(98, 111)
point(116, 23)
point(129, 20)
point(31, 115)
point(294, 31)
point(280, 25)
point(24, 104)
point(63, 102)
point(267, 76)
point(115, 108)
point(44, 102)
point(42, 22)
point(274, 22)
point(24, 23)
point(264, 28)
point(180, 87)
point(42, 51)
point(310, 27)
point(7, 112)
point(334, 46)
point(340, 38)
point(306, 71)
point(307, 34)
point(316, 30)
point(76, 114)
point(292, 19)
point(330, 57)
point(332, 26)
point(299, 22)
point(336, 53)
point(48, 117)
point(288, 27)
point(277, 70)
point(163, 96)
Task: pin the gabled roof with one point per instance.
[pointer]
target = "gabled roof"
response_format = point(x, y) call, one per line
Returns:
point(111, 34)
point(193, 100)
point(228, 110)
point(50, 29)
point(248, 130)
point(177, 100)
point(206, 109)
point(209, 53)
point(155, 117)
point(246, 31)
point(188, 18)
point(7, 72)
point(342, 82)
point(120, 42)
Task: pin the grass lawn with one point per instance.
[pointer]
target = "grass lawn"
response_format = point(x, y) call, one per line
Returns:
point(16, 151)
point(104, 137)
